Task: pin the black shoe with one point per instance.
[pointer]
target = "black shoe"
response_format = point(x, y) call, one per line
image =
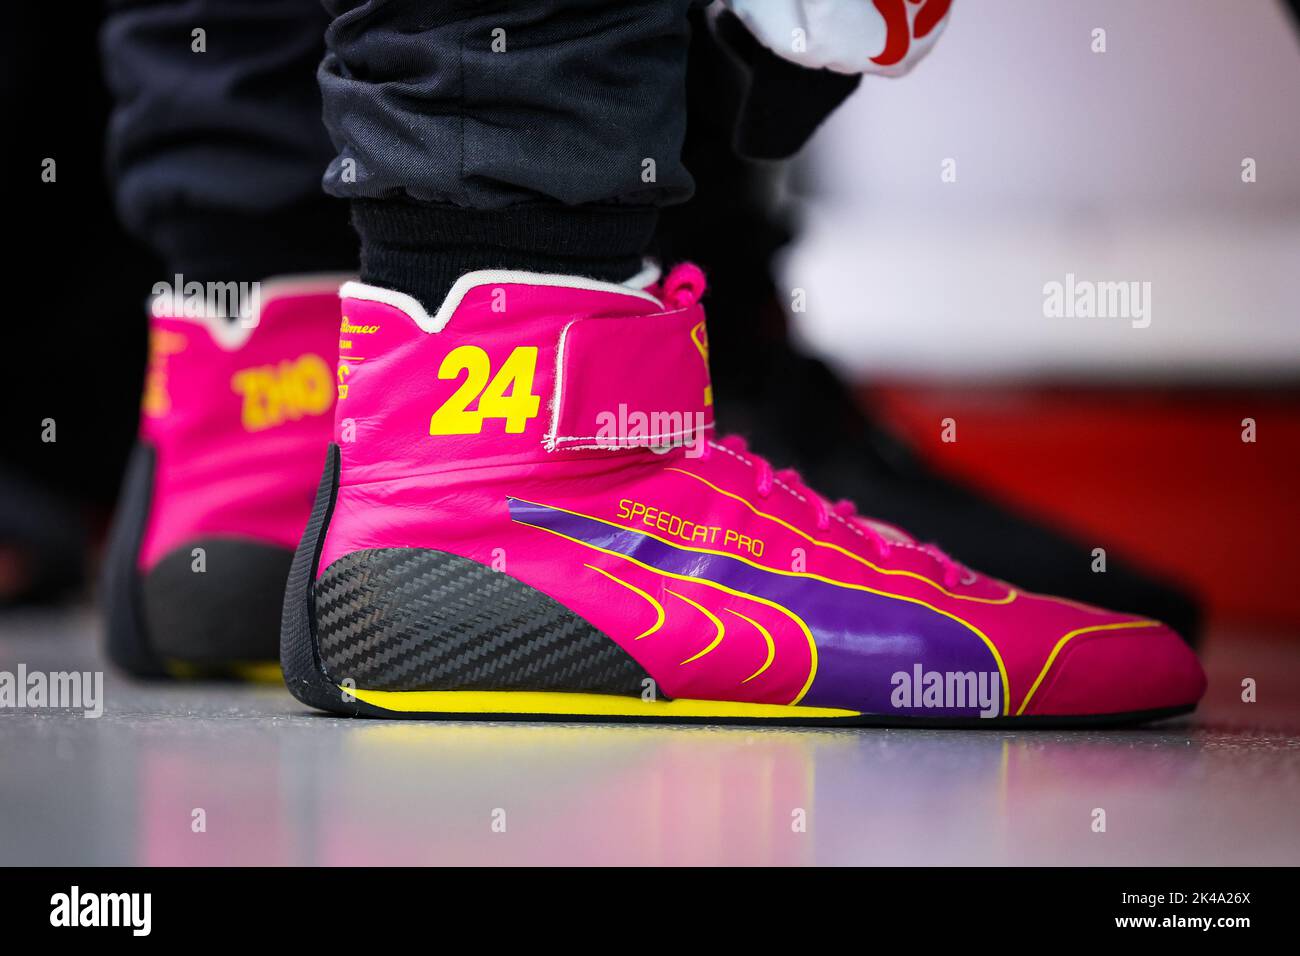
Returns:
point(825, 434)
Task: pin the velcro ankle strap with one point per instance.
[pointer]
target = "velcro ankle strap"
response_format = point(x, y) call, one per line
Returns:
point(632, 382)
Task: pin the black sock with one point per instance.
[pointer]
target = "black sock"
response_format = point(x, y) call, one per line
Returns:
point(422, 248)
point(230, 246)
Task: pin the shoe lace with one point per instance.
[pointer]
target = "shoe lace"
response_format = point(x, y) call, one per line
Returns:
point(767, 478)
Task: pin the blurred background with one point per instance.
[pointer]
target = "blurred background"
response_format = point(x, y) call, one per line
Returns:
point(1115, 166)
point(913, 240)
point(924, 220)
point(78, 286)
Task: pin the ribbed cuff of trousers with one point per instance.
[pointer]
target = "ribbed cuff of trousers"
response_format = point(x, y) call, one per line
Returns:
point(422, 249)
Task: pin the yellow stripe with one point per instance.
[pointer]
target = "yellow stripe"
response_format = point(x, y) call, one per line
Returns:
point(524, 703)
point(256, 672)
point(771, 646)
point(812, 644)
point(659, 608)
point(707, 613)
point(1011, 592)
point(259, 672)
point(1063, 641)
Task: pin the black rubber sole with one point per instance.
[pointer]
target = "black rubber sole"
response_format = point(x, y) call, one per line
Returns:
point(300, 660)
point(127, 646)
point(230, 612)
point(176, 622)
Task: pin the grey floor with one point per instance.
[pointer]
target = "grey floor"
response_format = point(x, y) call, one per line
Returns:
point(274, 784)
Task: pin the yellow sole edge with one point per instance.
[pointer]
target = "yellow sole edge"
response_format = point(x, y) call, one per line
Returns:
point(526, 703)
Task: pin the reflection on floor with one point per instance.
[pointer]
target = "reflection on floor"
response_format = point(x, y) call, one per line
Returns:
point(277, 785)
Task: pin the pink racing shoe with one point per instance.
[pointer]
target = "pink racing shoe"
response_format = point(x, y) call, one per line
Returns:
point(235, 416)
point(524, 515)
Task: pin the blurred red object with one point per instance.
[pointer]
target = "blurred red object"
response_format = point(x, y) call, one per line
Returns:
point(1161, 475)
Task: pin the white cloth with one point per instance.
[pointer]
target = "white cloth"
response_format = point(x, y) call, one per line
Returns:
point(878, 37)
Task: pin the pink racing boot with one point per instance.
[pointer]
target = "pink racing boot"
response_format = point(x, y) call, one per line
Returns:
point(235, 416)
point(524, 513)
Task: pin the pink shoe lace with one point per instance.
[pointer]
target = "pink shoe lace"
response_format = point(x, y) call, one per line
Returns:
point(954, 572)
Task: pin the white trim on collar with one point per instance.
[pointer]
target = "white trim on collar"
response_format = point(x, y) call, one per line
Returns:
point(472, 280)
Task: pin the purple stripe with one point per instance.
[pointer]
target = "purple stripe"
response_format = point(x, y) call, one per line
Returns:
point(863, 639)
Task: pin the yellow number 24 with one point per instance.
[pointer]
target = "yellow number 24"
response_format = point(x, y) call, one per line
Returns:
point(455, 417)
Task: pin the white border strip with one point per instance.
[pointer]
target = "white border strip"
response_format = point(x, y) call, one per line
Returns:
point(549, 440)
point(472, 280)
